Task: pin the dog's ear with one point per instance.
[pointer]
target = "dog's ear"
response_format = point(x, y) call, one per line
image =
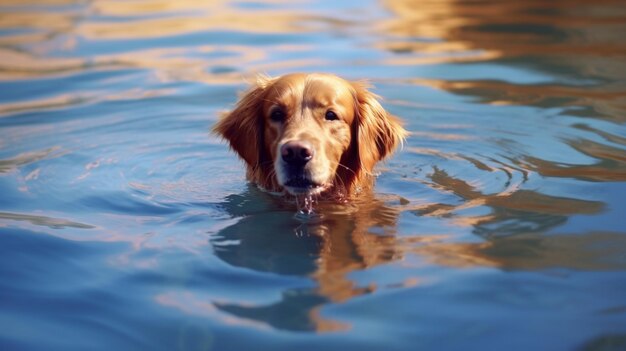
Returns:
point(378, 132)
point(243, 127)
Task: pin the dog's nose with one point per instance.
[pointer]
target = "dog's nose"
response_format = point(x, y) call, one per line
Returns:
point(296, 153)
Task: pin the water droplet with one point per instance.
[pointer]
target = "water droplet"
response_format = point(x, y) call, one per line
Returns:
point(305, 206)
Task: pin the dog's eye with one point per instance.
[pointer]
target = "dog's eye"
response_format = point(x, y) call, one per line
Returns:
point(277, 115)
point(331, 116)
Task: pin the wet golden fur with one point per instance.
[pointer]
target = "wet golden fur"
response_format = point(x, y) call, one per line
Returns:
point(294, 108)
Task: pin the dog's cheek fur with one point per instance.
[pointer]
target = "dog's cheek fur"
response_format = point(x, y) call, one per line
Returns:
point(378, 132)
point(244, 129)
point(339, 138)
point(271, 138)
point(241, 127)
point(375, 134)
point(348, 171)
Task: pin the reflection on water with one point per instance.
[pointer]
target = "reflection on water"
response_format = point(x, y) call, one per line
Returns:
point(107, 34)
point(610, 167)
point(498, 226)
point(578, 42)
point(515, 212)
point(345, 241)
point(327, 249)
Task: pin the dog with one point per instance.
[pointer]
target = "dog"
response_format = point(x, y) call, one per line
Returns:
point(310, 134)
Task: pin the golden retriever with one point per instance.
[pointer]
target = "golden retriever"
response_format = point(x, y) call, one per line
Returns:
point(310, 134)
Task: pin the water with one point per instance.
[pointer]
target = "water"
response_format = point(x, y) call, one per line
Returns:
point(125, 225)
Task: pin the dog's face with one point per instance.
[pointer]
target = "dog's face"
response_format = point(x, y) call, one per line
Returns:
point(308, 133)
point(308, 121)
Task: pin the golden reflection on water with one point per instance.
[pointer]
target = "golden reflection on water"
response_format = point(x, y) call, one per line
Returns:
point(506, 28)
point(205, 16)
point(12, 164)
point(575, 38)
point(595, 251)
point(55, 223)
point(363, 236)
point(579, 36)
point(328, 250)
point(610, 167)
point(26, 54)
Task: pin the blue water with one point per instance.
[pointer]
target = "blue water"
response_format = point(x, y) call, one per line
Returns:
point(126, 225)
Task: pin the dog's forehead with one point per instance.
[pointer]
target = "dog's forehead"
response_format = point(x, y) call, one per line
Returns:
point(312, 89)
point(327, 90)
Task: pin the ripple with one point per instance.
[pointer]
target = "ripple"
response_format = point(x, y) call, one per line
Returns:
point(12, 164)
point(594, 251)
point(55, 223)
point(611, 165)
point(121, 202)
point(508, 206)
point(514, 176)
point(601, 100)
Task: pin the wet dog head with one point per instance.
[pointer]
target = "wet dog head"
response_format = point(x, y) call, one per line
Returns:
point(310, 133)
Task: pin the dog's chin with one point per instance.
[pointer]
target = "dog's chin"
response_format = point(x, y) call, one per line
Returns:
point(302, 186)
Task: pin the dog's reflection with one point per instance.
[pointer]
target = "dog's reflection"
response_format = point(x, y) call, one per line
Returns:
point(270, 238)
point(355, 236)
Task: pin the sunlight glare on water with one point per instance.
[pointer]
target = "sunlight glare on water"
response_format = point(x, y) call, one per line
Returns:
point(125, 224)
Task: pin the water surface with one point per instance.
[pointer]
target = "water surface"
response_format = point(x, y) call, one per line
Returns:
point(499, 226)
